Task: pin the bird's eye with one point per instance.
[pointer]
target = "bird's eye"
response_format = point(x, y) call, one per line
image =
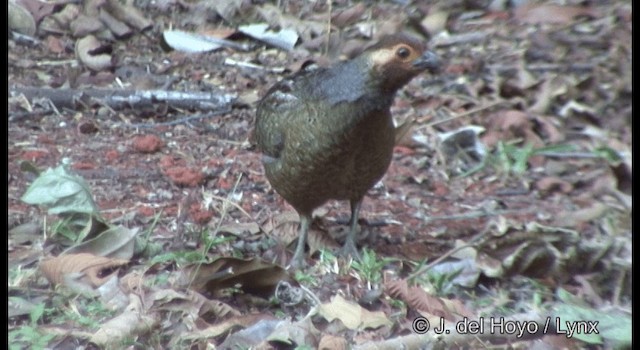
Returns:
point(403, 52)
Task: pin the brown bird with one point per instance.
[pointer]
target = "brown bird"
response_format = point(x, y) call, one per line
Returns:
point(327, 133)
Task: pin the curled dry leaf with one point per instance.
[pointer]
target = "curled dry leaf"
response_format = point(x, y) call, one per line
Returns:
point(93, 54)
point(67, 15)
point(86, 269)
point(128, 14)
point(118, 28)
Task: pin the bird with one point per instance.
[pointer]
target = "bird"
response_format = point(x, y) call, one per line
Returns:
point(328, 134)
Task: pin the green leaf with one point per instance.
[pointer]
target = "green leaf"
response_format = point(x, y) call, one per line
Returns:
point(609, 154)
point(61, 191)
point(612, 326)
point(36, 313)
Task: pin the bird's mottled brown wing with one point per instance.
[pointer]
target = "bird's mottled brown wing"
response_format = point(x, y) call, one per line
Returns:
point(275, 114)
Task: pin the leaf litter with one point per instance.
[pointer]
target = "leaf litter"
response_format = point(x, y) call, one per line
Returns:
point(538, 226)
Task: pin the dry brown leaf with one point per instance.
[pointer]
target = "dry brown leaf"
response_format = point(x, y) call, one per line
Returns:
point(403, 132)
point(84, 25)
point(352, 315)
point(227, 9)
point(252, 276)
point(54, 44)
point(581, 216)
point(435, 22)
point(548, 130)
point(331, 342)
point(128, 325)
point(416, 298)
point(218, 32)
point(538, 13)
point(254, 335)
point(456, 306)
point(349, 16)
point(88, 269)
point(508, 125)
point(240, 228)
point(119, 29)
point(190, 304)
point(69, 13)
point(128, 14)
point(38, 9)
point(550, 184)
point(301, 332)
point(319, 239)
point(207, 330)
point(276, 19)
point(283, 227)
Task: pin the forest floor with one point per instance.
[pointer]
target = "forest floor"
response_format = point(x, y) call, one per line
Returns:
point(505, 216)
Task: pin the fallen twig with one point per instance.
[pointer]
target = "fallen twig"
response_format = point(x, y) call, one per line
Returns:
point(122, 99)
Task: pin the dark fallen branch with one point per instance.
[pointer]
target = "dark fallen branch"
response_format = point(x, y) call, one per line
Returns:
point(123, 99)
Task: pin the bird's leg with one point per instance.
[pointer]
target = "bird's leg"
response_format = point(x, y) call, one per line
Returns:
point(298, 257)
point(349, 247)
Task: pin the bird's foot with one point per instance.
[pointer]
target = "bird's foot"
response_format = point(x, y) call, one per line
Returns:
point(349, 249)
point(297, 262)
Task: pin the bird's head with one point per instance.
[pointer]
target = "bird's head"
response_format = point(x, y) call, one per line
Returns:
point(396, 59)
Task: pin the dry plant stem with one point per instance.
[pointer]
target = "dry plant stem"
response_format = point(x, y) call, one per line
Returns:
point(233, 204)
point(617, 291)
point(474, 241)
point(326, 45)
point(311, 296)
point(223, 214)
point(72, 62)
point(461, 115)
point(479, 214)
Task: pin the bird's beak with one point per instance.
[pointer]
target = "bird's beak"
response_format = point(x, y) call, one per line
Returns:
point(428, 60)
